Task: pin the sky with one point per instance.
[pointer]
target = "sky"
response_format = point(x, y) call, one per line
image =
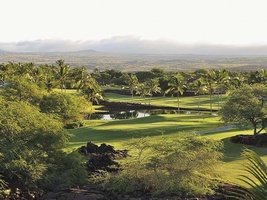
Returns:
point(117, 25)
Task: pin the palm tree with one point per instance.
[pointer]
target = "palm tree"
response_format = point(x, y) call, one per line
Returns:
point(177, 84)
point(80, 78)
point(93, 95)
point(221, 78)
point(152, 86)
point(62, 72)
point(258, 76)
point(236, 82)
point(199, 87)
point(132, 83)
point(92, 90)
point(142, 90)
point(48, 76)
point(209, 79)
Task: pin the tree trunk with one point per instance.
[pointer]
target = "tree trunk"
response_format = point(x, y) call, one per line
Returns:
point(198, 102)
point(132, 95)
point(255, 130)
point(210, 104)
point(178, 102)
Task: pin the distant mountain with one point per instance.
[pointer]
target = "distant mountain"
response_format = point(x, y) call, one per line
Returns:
point(2, 51)
point(91, 51)
point(131, 45)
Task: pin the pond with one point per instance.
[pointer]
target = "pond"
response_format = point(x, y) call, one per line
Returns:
point(135, 114)
point(121, 115)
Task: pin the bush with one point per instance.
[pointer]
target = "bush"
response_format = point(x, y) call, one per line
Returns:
point(31, 150)
point(184, 166)
point(64, 171)
point(66, 107)
point(74, 125)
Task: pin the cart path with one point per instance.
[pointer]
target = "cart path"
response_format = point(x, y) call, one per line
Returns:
point(223, 128)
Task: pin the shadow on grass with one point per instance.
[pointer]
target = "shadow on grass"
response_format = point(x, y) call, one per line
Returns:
point(92, 134)
point(232, 151)
point(115, 132)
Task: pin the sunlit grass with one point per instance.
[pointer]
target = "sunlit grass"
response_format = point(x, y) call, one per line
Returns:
point(233, 164)
point(117, 132)
point(185, 102)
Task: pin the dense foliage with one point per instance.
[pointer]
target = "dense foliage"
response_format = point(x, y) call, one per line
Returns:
point(65, 107)
point(182, 166)
point(32, 135)
point(247, 105)
point(31, 145)
point(22, 89)
point(33, 114)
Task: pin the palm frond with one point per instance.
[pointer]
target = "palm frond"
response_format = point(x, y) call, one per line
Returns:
point(257, 186)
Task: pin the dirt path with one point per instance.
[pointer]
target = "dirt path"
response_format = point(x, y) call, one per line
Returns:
point(224, 128)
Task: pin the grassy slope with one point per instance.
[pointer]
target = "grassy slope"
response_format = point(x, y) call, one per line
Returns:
point(115, 132)
point(171, 125)
point(233, 164)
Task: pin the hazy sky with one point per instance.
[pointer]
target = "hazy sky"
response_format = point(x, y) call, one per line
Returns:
point(194, 22)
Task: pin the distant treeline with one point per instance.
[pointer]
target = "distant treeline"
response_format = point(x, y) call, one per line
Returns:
point(141, 62)
point(156, 81)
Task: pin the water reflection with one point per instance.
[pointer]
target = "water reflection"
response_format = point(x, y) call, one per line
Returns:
point(135, 114)
point(122, 115)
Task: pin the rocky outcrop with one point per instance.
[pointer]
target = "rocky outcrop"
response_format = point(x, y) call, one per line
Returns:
point(259, 140)
point(85, 193)
point(102, 157)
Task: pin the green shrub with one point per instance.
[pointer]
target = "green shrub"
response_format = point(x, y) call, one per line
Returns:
point(31, 150)
point(64, 170)
point(74, 125)
point(185, 166)
point(66, 107)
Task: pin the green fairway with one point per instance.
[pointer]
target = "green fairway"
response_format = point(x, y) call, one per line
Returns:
point(185, 102)
point(116, 132)
point(233, 164)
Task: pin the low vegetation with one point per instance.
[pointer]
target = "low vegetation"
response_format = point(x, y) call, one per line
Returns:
point(31, 151)
point(182, 166)
point(170, 153)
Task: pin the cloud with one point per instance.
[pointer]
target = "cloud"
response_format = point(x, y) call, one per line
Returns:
point(132, 45)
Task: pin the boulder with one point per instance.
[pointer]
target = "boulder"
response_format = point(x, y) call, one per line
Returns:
point(102, 157)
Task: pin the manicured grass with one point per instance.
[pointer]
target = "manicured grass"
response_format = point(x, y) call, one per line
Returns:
point(185, 102)
point(117, 132)
point(233, 164)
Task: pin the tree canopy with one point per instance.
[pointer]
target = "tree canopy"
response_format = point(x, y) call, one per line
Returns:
point(66, 107)
point(30, 144)
point(247, 105)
